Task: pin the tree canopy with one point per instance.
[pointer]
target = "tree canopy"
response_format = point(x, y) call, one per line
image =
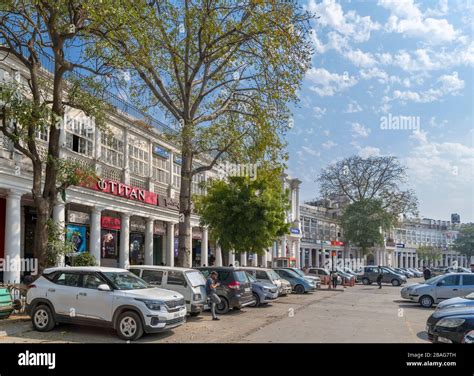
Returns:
point(464, 243)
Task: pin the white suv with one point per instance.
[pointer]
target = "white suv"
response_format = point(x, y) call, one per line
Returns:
point(102, 296)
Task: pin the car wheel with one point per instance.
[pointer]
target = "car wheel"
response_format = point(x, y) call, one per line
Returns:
point(194, 314)
point(299, 289)
point(395, 282)
point(365, 281)
point(426, 301)
point(256, 299)
point(42, 318)
point(223, 306)
point(129, 326)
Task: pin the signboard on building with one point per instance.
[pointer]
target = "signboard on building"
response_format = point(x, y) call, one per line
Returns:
point(400, 245)
point(294, 230)
point(78, 217)
point(337, 242)
point(162, 152)
point(110, 223)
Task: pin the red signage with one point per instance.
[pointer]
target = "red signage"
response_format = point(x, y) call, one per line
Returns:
point(336, 242)
point(110, 223)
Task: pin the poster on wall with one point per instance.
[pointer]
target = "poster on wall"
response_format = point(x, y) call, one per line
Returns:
point(108, 244)
point(137, 251)
point(77, 236)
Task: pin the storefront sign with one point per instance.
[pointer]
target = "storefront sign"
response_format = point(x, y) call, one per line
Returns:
point(110, 223)
point(294, 230)
point(77, 236)
point(162, 152)
point(137, 225)
point(197, 233)
point(78, 217)
point(159, 228)
point(336, 242)
point(126, 191)
point(168, 202)
point(400, 245)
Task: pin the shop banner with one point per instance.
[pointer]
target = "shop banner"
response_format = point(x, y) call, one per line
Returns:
point(108, 244)
point(110, 223)
point(77, 236)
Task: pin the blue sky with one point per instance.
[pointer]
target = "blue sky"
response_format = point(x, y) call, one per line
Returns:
point(399, 57)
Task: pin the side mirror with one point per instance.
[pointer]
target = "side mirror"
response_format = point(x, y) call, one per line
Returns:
point(104, 287)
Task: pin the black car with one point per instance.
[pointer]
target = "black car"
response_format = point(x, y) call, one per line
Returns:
point(455, 325)
point(235, 289)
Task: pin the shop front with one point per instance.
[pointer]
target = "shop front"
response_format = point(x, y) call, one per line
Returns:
point(109, 239)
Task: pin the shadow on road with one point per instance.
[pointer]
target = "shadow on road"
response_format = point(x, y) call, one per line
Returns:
point(423, 335)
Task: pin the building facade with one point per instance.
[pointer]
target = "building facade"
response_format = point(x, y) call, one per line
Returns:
point(129, 216)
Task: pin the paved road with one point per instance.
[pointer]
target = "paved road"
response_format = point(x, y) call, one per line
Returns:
point(358, 314)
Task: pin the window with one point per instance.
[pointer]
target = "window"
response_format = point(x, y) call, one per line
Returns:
point(160, 169)
point(261, 274)
point(452, 280)
point(176, 278)
point(138, 154)
point(112, 149)
point(68, 279)
point(42, 134)
point(91, 281)
point(468, 280)
point(196, 184)
point(135, 271)
point(176, 175)
point(79, 136)
point(153, 277)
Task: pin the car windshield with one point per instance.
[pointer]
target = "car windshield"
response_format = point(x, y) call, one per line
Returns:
point(291, 273)
point(195, 278)
point(434, 280)
point(251, 278)
point(297, 271)
point(273, 275)
point(126, 281)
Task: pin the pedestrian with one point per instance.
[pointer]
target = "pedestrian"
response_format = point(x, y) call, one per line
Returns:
point(472, 268)
point(211, 285)
point(426, 273)
point(334, 279)
point(380, 277)
point(230, 265)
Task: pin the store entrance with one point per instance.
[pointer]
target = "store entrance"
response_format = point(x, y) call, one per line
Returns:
point(157, 250)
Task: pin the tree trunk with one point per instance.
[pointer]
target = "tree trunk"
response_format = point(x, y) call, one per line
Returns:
point(184, 237)
point(43, 214)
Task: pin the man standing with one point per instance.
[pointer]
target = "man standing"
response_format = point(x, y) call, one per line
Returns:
point(380, 277)
point(211, 285)
point(426, 273)
point(472, 268)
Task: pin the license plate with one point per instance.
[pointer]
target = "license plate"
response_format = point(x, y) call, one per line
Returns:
point(247, 289)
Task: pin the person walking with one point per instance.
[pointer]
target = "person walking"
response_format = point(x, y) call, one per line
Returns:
point(211, 285)
point(380, 277)
point(426, 273)
point(334, 279)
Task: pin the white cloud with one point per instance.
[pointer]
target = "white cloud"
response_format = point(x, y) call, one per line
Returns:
point(358, 130)
point(360, 59)
point(319, 112)
point(353, 107)
point(407, 18)
point(329, 144)
point(369, 151)
point(308, 150)
point(326, 84)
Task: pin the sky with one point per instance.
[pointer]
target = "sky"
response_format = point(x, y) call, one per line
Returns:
point(382, 62)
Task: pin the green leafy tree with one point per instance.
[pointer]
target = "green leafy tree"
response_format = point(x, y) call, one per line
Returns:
point(429, 253)
point(363, 223)
point(222, 71)
point(39, 35)
point(84, 259)
point(245, 215)
point(464, 243)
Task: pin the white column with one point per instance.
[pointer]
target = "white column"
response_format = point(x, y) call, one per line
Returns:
point(275, 249)
point(12, 237)
point(243, 259)
point(124, 257)
point(231, 258)
point(265, 258)
point(416, 261)
point(298, 253)
point(94, 241)
point(283, 246)
point(59, 217)
point(170, 244)
point(310, 257)
point(218, 255)
point(149, 241)
point(204, 247)
point(255, 258)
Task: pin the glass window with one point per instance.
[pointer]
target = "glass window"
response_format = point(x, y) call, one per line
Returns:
point(126, 281)
point(80, 136)
point(261, 274)
point(153, 277)
point(112, 149)
point(176, 278)
point(241, 276)
point(135, 271)
point(451, 280)
point(138, 153)
point(68, 279)
point(195, 278)
point(91, 281)
point(468, 280)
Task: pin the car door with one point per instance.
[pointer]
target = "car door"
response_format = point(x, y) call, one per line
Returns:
point(93, 303)
point(467, 286)
point(287, 276)
point(63, 294)
point(153, 277)
point(176, 281)
point(448, 287)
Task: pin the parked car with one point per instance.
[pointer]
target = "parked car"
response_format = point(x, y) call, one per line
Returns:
point(188, 282)
point(321, 272)
point(235, 289)
point(344, 275)
point(315, 279)
point(350, 271)
point(370, 273)
point(102, 296)
point(263, 292)
point(460, 301)
point(453, 325)
point(299, 284)
point(416, 272)
point(439, 288)
point(286, 288)
point(265, 275)
point(457, 270)
point(404, 271)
